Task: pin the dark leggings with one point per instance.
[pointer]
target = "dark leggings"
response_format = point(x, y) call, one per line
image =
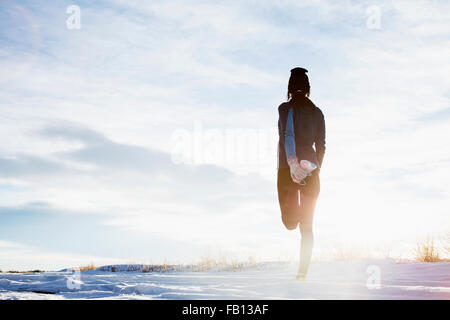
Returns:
point(297, 204)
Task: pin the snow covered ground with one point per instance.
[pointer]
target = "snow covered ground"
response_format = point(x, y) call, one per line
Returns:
point(275, 280)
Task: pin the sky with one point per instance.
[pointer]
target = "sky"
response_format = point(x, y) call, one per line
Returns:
point(147, 131)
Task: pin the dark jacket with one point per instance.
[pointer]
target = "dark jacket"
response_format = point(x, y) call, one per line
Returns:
point(309, 126)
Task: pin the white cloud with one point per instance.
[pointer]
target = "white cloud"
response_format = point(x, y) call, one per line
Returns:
point(18, 257)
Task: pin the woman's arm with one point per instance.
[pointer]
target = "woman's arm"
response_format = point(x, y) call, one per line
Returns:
point(289, 135)
point(297, 173)
point(319, 141)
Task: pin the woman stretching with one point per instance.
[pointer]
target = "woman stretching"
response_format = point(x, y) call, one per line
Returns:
point(300, 126)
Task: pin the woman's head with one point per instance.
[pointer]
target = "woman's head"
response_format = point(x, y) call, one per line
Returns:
point(298, 83)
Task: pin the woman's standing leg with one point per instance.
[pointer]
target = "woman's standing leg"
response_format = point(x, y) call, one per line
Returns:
point(306, 247)
point(308, 200)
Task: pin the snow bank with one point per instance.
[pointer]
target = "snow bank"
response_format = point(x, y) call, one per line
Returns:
point(334, 280)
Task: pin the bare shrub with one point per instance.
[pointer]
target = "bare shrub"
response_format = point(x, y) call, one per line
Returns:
point(426, 251)
point(87, 267)
point(447, 243)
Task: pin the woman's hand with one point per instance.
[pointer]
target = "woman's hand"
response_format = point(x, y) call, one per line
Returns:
point(297, 173)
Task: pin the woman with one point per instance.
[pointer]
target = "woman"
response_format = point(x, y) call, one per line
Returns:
point(300, 125)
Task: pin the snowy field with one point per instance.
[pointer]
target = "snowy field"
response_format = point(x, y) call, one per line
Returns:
point(327, 280)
